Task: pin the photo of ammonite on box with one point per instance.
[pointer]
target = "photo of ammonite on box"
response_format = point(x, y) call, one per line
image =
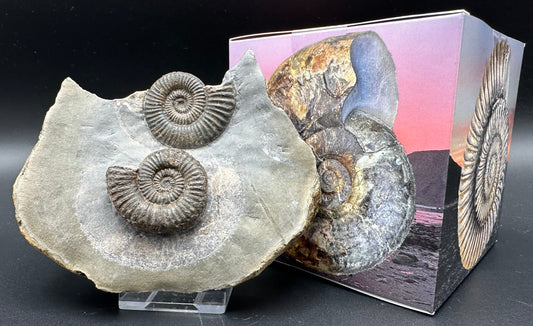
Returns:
point(341, 94)
point(485, 159)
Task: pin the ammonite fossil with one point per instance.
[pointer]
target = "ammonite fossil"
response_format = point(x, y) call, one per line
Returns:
point(367, 198)
point(367, 184)
point(182, 112)
point(165, 223)
point(166, 194)
point(485, 157)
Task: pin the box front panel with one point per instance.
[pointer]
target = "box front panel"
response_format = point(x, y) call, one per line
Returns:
point(426, 57)
point(485, 105)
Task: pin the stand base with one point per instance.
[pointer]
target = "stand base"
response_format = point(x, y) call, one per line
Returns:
point(207, 302)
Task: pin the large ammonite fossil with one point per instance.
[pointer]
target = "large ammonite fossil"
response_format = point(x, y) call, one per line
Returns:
point(367, 184)
point(182, 112)
point(485, 157)
point(166, 194)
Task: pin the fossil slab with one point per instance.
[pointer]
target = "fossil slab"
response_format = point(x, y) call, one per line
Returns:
point(341, 94)
point(261, 190)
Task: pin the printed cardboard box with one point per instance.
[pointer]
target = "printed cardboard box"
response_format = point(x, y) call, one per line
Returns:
point(457, 82)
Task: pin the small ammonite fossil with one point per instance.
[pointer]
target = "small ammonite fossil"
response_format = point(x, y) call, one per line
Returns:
point(182, 112)
point(485, 157)
point(166, 194)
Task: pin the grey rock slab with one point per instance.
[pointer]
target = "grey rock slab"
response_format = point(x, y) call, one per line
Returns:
point(263, 189)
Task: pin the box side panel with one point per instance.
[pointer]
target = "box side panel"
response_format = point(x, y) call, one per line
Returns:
point(478, 42)
point(426, 54)
point(515, 66)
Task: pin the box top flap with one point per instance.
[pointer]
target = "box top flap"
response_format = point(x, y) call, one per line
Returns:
point(384, 20)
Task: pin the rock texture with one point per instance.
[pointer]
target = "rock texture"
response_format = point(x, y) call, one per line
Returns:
point(262, 190)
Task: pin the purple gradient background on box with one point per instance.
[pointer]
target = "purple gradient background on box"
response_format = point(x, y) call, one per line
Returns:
point(426, 54)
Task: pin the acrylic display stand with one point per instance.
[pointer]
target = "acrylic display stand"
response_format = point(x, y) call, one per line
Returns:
point(207, 302)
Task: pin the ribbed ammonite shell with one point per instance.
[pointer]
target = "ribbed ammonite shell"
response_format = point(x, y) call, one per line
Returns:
point(485, 157)
point(341, 95)
point(182, 112)
point(166, 194)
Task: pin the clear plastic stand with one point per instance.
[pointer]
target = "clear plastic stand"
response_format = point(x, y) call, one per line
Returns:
point(207, 302)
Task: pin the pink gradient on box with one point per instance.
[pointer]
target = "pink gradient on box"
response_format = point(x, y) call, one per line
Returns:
point(426, 55)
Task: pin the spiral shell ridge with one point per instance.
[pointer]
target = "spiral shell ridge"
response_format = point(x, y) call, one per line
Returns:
point(336, 151)
point(166, 194)
point(367, 203)
point(182, 112)
point(485, 158)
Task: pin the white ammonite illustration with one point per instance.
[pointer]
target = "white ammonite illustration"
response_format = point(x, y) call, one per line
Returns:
point(485, 157)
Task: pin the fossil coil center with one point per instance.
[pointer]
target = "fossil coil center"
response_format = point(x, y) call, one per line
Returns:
point(330, 180)
point(335, 182)
point(335, 150)
point(489, 174)
point(181, 107)
point(167, 181)
point(493, 166)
